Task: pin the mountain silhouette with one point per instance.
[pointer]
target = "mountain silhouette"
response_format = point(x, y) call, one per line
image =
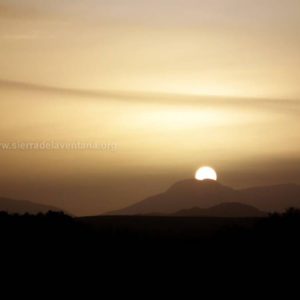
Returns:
point(184, 195)
point(223, 210)
point(191, 193)
point(24, 206)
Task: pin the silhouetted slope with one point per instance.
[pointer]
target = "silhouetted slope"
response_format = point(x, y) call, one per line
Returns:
point(223, 210)
point(184, 195)
point(273, 198)
point(23, 206)
point(191, 193)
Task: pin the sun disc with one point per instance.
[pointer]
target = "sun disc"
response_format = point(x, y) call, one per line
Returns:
point(206, 173)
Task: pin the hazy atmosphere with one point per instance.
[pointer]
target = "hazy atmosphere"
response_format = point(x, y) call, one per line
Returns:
point(103, 103)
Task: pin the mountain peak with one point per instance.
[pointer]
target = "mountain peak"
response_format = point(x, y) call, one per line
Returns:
point(196, 188)
point(191, 193)
point(195, 184)
point(182, 195)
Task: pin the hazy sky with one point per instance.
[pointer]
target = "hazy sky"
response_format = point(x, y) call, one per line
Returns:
point(175, 84)
point(229, 47)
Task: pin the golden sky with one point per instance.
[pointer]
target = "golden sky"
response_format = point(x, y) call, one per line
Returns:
point(174, 84)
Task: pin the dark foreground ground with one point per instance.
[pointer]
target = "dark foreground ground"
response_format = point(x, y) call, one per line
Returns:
point(170, 247)
point(142, 251)
point(108, 233)
point(164, 229)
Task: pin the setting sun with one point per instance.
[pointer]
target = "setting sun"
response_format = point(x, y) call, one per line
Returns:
point(205, 173)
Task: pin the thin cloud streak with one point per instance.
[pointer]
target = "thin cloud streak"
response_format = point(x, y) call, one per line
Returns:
point(150, 97)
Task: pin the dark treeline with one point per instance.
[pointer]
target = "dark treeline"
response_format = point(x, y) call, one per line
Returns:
point(57, 226)
point(59, 234)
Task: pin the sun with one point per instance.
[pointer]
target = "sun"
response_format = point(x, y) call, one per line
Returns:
point(205, 173)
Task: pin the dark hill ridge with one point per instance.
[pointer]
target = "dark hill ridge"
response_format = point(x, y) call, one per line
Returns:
point(223, 210)
point(184, 195)
point(24, 206)
point(191, 193)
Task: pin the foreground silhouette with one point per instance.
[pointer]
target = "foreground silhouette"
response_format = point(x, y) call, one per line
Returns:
point(55, 229)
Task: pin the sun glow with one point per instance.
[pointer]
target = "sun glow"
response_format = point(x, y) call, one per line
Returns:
point(205, 173)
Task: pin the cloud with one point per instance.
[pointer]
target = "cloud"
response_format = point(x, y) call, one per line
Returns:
point(269, 107)
point(166, 98)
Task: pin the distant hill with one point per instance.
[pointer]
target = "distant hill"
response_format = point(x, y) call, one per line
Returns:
point(191, 193)
point(273, 198)
point(223, 210)
point(184, 195)
point(24, 206)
